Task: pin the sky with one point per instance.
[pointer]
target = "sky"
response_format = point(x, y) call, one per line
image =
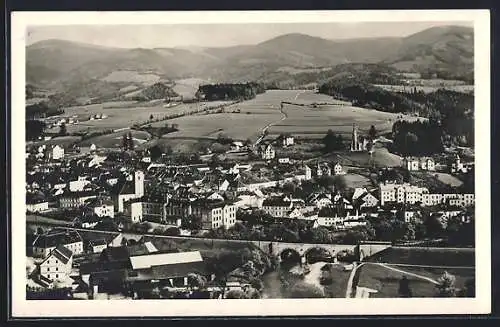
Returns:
point(219, 35)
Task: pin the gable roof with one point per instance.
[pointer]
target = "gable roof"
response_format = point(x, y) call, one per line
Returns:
point(50, 240)
point(159, 259)
point(61, 252)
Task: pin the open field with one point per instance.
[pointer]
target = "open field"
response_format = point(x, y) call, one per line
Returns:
point(114, 140)
point(123, 114)
point(254, 115)
point(426, 256)
point(356, 180)
point(386, 282)
point(187, 87)
point(60, 140)
point(448, 179)
point(385, 279)
point(310, 122)
point(237, 126)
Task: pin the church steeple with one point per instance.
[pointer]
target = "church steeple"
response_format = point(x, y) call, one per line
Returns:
point(354, 141)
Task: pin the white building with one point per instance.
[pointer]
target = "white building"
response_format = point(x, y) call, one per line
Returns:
point(284, 160)
point(57, 264)
point(37, 206)
point(97, 246)
point(57, 152)
point(267, 152)
point(416, 164)
point(78, 185)
point(129, 192)
point(308, 173)
point(288, 140)
point(401, 193)
point(337, 169)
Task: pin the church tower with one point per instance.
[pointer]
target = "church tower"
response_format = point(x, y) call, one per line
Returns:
point(354, 141)
point(139, 183)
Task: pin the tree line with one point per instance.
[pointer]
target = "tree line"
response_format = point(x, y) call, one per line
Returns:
point(230, 91)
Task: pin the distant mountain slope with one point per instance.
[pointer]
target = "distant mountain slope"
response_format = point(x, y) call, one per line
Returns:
point(60, 65)
point(449, 49)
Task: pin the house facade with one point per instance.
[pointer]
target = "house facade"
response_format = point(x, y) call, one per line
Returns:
point(57, 264)
point(277, 207)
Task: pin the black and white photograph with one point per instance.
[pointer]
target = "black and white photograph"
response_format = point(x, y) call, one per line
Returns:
point(250, 163)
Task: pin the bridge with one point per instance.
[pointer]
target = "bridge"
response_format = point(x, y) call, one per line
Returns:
point(280, 249)
point(302, 250)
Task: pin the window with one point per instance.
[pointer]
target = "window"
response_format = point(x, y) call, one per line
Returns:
point(56, 261)
point(57, 276)
point(48, 269)
point(57, 269)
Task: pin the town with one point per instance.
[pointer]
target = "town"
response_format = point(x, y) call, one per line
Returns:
point(102, 222)
point(282, 166)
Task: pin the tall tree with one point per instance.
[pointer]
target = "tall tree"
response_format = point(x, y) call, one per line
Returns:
point(372, 133)
point(446, 285)
point(125, 142)
point(63, 130)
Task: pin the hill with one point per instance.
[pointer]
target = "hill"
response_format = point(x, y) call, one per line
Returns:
point(60, 65)
point(447, 51)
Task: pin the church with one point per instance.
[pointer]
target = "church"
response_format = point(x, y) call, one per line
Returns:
point(358, 143)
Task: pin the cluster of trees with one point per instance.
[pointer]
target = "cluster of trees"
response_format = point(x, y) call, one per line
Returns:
point(417, 138)
point(42, 110)
point(192, 222)
point(230, 91)
point(333, 142)
point(155, 92)
point(162, 130)
point(34, 129)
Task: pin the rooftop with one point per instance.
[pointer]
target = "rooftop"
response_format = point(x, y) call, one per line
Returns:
point(159, 259)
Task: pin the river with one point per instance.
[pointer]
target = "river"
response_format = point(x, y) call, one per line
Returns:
point(273, 281)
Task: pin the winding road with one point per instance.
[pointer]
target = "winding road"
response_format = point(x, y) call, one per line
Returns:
point(283, 117)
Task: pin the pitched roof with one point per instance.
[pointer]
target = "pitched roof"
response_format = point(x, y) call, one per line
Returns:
point(58, 238)
point(62, 253)
point(158, 259)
